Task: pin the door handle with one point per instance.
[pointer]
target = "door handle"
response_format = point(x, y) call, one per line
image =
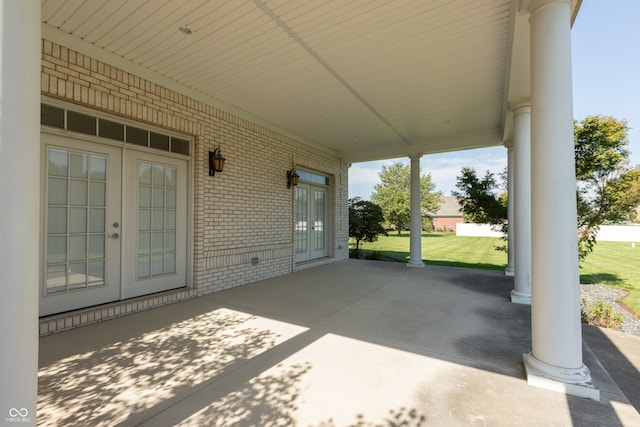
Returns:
point(113, 236)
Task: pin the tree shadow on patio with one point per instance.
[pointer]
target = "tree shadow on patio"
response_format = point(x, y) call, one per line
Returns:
point(109, 385)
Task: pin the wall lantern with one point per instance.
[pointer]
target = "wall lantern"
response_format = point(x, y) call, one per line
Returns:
point(292, 178)
point(216, 161)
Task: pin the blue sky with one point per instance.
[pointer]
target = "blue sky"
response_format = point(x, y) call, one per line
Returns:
point(606, 81)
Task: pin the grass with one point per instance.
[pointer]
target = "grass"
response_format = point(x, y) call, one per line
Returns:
point(611, 263)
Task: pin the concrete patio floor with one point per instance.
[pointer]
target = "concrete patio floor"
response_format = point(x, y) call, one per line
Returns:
point(357, 343)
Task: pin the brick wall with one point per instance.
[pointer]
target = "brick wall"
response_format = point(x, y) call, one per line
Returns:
point(243, 213)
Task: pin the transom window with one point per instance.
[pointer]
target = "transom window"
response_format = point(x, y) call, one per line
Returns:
point(87, 124)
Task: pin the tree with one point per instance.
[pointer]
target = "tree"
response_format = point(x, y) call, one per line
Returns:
point(606, 186)
point(479, 199)
point(608, 191)
point(393, 194)
point(365, 222)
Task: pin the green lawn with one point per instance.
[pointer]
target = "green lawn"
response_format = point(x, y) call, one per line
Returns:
point(611, 263)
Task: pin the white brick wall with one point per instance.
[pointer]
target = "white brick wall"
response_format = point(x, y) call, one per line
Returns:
point(242, 213)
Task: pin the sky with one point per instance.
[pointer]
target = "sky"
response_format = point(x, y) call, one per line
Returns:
point(606, 81)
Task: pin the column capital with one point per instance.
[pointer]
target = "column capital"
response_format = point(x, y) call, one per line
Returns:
point(533, 5)
point(518, 105)
point(508, 143)
point(415, 155)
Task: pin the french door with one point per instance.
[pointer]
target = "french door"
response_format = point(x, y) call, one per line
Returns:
point(115, 223)
point(311, 226)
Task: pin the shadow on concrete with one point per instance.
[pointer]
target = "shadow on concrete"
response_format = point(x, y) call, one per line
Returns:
point(250, 355)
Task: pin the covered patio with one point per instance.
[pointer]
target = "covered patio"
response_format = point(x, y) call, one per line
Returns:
point(361, 343)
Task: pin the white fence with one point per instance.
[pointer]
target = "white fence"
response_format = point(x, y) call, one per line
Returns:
point(607, 233)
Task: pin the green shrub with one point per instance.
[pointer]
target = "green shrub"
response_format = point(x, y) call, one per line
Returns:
point(601, 314)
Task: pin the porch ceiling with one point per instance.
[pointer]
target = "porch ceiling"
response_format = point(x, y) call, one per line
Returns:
point(364, 79)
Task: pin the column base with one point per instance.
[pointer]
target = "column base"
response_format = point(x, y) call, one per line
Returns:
point(509, 271)
point(415, 264)
point(520, 298)
point(575, 382)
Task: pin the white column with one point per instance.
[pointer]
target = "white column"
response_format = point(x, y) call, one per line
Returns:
point(556, 358)
point(521, 292)
point(415, 242)
point(20, 211)
point(509, 271)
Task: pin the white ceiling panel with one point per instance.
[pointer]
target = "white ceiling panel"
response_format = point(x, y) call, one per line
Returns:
point(363, 78)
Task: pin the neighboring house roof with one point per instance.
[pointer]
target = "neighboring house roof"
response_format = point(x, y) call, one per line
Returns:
point(449, 208)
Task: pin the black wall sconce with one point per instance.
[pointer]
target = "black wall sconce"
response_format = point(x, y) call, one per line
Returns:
point(216, 162)
point(292, 178)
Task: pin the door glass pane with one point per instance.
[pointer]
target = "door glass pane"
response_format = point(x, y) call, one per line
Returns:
point(58, 162)
point(318, 220)
point(57, 221)
point(95, 275)
point(301, 220)
point(156, 219)
point(77, 248)
point(98, 168)
point(96, 247)
point(75, 233)
point(97, 190)
point(56, 278)
point(79, 165)
point(78, 192)
point(78, 220)
point(96, 220)
point(57, 191)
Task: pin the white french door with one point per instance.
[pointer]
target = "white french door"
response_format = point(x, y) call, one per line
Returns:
point(311, 226)
point(82, 209)
point(115, 223)
point(156, 220)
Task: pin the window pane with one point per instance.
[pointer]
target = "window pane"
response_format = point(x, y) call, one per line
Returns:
point(58, 162)
point(170, 263)
point(137, 136)
point(97, 193)
point(157, 264)
point(144, 220)
point(78, 220)
point(157, 220)
point(170, 220)
point(56, 249)
point(98, 168)
point(96, 273)
point(144, 243)
point(111, 130)
point(158, 175)
point(77, 248)
point(145, 197)
point(57, 220)
point(170, 198)
point(96, 247)
point(56, 278)
point(170, 177)
point(77, 275)
point(170, 241)
point(96, 220)
point(158, 198)
point(144, 266)
point(51, 116)
point(78, 165)
point(57, 191)
point(179, 146)
point(78, 192)
point(144, 173)
point(159, 141)
point(157, 242)
point(81, 123)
